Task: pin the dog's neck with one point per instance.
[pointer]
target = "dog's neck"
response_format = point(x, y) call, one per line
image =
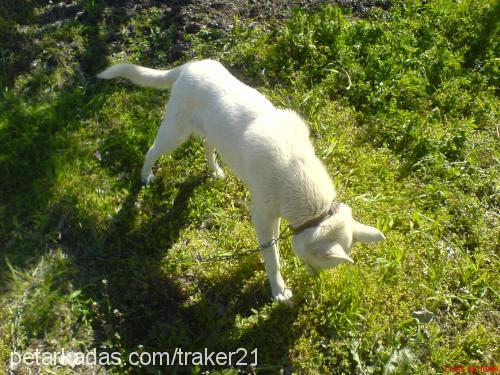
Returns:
point(309, 194)
point(309, 212)
point(316, 221)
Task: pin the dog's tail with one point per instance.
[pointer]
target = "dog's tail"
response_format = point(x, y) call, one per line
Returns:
point(160, 79)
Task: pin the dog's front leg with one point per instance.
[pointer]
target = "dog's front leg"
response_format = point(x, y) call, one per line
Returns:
point(266, 230)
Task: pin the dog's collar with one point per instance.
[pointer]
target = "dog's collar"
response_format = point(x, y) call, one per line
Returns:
point(332, 210)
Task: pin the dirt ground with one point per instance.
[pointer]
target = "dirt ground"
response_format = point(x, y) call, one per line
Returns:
point(179, 16)
point(191, 16)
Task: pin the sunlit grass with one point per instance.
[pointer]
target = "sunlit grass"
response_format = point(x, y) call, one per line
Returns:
point(403, 110)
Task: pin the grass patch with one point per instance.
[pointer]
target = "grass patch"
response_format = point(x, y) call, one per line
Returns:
point(403, 104)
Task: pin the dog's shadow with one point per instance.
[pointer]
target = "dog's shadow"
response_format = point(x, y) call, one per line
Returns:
point(140, 303)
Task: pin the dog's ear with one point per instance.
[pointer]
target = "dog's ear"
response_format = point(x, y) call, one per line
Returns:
point(364, 233)
point(335, 253)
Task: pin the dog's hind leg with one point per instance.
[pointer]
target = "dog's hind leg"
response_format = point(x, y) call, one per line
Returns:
point(212, 161)
point(172, 133)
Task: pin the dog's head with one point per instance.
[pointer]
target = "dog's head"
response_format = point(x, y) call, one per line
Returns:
point(329, 244)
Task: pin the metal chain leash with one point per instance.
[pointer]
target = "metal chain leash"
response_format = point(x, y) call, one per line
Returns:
point(289, 231)
point(240, 254)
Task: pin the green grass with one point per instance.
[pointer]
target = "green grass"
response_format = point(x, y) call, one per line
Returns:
point(403, 105)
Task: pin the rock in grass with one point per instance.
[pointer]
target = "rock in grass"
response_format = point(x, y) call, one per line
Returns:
point(423, 316)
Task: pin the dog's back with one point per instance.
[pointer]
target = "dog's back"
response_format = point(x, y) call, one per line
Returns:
point(258, 141)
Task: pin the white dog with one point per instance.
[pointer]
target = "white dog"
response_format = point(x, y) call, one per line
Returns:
point(268, 148)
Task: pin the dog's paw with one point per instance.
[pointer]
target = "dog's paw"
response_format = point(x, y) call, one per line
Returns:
point(285, 296)
point(146, 180)
point(218, 173)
